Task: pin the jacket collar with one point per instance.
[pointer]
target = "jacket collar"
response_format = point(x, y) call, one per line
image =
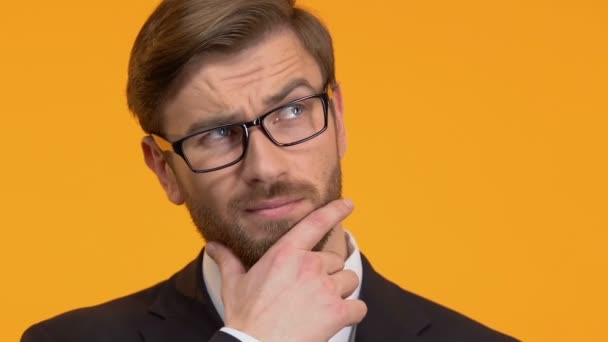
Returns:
point(182, 310)
point(393, 314)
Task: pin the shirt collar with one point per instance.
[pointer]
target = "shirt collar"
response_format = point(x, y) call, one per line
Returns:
point(213, 282)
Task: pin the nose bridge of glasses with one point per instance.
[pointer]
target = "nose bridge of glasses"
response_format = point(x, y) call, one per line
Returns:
point(258, 122)
point(252, 123)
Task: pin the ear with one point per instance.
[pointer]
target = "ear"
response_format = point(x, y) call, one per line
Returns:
point(156, 161)
point(338, 106)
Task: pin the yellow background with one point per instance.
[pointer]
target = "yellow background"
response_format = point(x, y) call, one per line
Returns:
point(477, 158)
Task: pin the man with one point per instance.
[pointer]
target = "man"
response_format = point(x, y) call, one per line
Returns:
point(244, 119)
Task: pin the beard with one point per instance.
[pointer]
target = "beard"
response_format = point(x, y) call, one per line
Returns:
point(235, 235)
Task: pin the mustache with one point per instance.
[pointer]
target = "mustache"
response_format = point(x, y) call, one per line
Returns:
point(260, 192)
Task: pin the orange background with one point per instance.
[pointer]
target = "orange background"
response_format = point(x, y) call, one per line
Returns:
point(477, 158)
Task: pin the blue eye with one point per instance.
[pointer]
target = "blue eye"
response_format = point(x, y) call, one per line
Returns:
point(295, 110)
point(218, 136)
point(290, 112)
point(220, 132)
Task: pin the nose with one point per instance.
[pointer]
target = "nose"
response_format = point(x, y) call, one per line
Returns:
point(264, 161)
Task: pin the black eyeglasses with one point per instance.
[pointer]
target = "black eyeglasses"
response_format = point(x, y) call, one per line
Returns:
point(222, 146)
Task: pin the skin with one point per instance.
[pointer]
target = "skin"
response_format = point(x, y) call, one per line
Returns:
point(294, 290)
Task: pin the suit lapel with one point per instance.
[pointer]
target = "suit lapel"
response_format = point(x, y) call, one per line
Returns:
point(393, 314)
point(182, 310)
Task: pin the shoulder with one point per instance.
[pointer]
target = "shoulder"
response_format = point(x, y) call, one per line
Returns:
point(448, 323)
point(402, 310)
point(113, 320)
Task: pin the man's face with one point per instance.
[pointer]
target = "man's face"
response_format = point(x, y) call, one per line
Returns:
point(250, 205)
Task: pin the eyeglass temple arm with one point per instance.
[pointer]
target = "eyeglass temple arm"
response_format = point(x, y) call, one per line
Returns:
point(162, 143)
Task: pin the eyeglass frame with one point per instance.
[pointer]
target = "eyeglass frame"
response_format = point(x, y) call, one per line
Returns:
point(177, 145)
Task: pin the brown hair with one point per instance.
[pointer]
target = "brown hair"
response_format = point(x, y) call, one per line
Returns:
point(179, 30)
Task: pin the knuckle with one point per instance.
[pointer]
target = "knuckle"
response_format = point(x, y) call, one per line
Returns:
point(329, 285)
point(338, 310)
point(311, 263)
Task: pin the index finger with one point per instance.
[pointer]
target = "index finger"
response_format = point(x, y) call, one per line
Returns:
point(311, 229)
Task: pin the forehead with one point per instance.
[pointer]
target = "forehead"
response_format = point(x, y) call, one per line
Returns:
point(237, 86)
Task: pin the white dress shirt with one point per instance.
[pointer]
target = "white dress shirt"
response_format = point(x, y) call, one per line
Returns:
point(213, 282)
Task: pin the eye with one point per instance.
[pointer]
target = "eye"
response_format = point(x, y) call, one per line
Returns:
point(295, 110)
point(290, 112)
point(218, 135)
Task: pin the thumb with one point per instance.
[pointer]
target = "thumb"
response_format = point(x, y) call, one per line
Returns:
point(228, 263)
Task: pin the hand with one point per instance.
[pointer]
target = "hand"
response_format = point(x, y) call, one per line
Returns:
point(292, 293)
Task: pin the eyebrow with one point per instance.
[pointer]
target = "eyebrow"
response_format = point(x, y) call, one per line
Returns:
point(287, 89)
point(223, 119)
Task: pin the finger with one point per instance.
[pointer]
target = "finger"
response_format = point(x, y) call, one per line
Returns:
point(228, 263)
point(346, 282)
point(332, 262)
point(355, 311)
point(308, 232)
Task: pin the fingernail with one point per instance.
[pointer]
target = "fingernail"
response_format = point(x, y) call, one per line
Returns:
point(349, 203)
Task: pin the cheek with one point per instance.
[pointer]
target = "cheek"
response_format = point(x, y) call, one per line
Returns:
point(317, 163)
point(205, 189)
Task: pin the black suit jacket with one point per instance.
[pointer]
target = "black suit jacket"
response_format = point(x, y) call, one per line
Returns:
point(180, 310)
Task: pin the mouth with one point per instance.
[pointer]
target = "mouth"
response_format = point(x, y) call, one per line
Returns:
point(273, 209)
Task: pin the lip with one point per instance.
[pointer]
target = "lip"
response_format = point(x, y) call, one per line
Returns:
point(275, 208)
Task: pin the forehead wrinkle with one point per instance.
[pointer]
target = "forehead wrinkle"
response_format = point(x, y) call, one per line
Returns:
point(198, 98)
point(199, 80)
point(291, 62)
point(208, 93)
point(244, 74)
point(261, 72)
point(286, 67)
